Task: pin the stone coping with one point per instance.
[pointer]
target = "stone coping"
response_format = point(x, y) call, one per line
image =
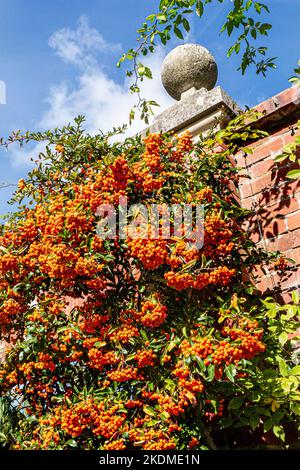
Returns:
point(193, 108)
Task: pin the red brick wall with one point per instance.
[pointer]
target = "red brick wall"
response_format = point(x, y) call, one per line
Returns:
point(274, 201)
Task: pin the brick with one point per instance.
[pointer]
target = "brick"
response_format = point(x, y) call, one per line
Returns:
point(268, 197)
point(270, 183)
point(286, 190)
point(260, 152)
point(277, 227)
point(289, 280)
point(296, 238)
point(288, 138)
point(270, 230)
point(284, 206)
point(276, 144)
point(282, 99)
point(285, 129)
point(248, 203)
point(288, 96)
point(266, 107)
point(296, 255)
point(255, 186)
point(262, 183)
point(285, 297)
point(290, 188)
point(261, 168)
point(294, 221)
point(282, 243)
point(254, 232)
point(265, 284)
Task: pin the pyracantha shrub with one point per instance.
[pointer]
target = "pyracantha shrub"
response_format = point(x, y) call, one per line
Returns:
point(129, 343)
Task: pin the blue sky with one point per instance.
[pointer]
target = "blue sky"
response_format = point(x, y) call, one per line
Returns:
point(57, 59)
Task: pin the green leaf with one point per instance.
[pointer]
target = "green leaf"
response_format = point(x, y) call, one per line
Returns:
point(161, 17)
point(200, 363)
point(230, 372)
point(186, 24)
point(295, 297)
point(279, 432)
point(131, 116)
point(71, 443)
point(293, 175)
point(268, 424)
point(283, 338)
point(211, 372)
point(254, 422)
point(283, 368)
point(184, 332)
point(280, 158)
point(199, 8)
point(295, 408)
point(226, 422)
point(178, 32)
point(235, 403)
point(144, 335)
point(100, 344)
point(148, 410)
point(151, 17)
point(295, 370)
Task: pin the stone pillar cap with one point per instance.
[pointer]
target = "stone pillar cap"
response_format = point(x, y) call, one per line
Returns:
point(188, 67)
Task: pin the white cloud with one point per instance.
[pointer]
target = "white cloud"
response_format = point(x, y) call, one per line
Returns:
point(104, 102)
point(21, 156)
point(79, 46)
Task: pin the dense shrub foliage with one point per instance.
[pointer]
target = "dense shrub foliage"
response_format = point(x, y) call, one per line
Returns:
point(163, 346)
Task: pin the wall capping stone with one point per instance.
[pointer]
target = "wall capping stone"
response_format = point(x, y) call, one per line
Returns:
point(198, 110)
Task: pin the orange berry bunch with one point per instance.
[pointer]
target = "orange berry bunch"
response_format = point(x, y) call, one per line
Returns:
point(281, 264)
point(123, 334)
point(133, 404)
point(122, 375)
point(217, 236)
point(89, 414)
point(204, 195)
point(202, 348)
point(145, 358)
point(194, 442)
point(98, 360)
point(219, 276)
point(151, 253)
point(182, 254)
point(152, 314)
point(9, 309)
point(118, 444)
point(184, 146)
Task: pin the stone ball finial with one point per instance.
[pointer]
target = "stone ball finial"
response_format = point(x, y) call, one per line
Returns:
point(186, 67)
